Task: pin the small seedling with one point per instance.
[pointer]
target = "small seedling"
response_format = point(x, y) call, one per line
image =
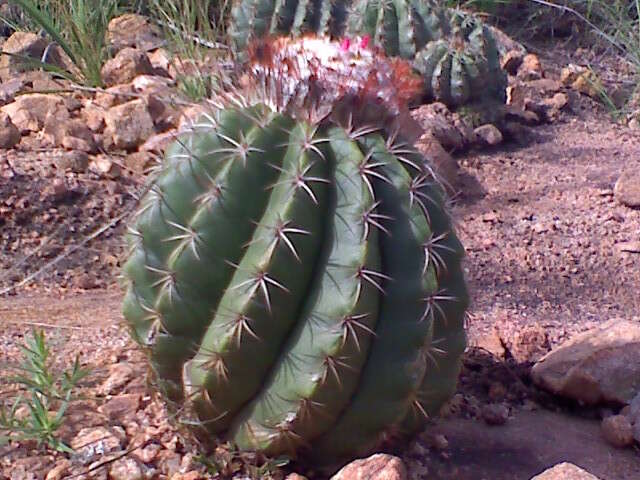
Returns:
point(38, 412)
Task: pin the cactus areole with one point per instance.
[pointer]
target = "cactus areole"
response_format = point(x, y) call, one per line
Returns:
point(293, 274)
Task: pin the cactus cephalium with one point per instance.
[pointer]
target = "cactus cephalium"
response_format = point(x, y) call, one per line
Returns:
point(454, 51)
point(293, 275)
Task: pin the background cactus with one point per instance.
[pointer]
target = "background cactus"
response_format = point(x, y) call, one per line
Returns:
point(293, 273)
point(454, 51)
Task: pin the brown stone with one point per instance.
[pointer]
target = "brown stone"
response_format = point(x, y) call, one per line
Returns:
point(29, 112)
point(531, 68)
point(125, 66)
point(59, 471)
point(20, 44)
point(93, 116)
point(92, 442)
point(113, 96)
point(617, 431)
point(511, 61)
point(627, 188)
point(10, 88)
point(600, 365)
point(377, 467)
point(565, 471)
point(128, 125)
point(139, 162)
point(75, 161)
point(119, 375)
point(126, 468)
point(495, 414)
point(132, 30)
point(489, 134)
point(9, 133)
point(121, 406)
point(73, 134)
point(435, 118)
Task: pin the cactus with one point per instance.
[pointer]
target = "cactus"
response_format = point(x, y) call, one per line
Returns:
point(454, 51)
point(293, 274)
point(465, 68)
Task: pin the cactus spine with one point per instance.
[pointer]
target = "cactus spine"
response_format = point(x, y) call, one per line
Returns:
point(454, 52)
point(295, 278)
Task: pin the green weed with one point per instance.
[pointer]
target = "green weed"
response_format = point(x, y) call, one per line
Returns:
point(79, 27)
point(38, 412)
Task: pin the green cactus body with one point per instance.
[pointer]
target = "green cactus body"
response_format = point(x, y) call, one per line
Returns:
point(465, 69)
point(297, 285)
point(455, 52)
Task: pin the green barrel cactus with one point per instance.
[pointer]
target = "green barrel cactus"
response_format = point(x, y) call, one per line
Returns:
point(295, 278)
point(454, 51)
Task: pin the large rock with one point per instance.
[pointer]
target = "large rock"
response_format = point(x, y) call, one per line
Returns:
point(30, 112)
point(20, 44)
point(601, 365)
point(565, 471)
point(125, 66)
point(132, 30)
point(627, 188)
point(9, 133)
point(377, 467)
point(617, 430)
point(128, 125)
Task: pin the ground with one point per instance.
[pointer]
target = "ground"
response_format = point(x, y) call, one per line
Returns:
point(542, 231)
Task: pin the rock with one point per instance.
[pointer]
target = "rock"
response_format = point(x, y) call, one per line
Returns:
point(545, 85)
point(617, 431)
point(94, 442)
point(601, 365)
point(295, 476)
point(437, 441)
point(636, 431)
point(511, 61)
point(10, 88)
point(75, 161)
point(29, 112)
point(120, 406)
point(93, 116)
point(517, 114)
point(126, 468)
point(588, 84)
point(20, 44)
point(73, 134)
point(489, 134)
point(495, 414)
point(113, 96)
point(129, 125)
point(160, 60)
point(380, 466)
point(134, 31)
point(140, 162)
point(565, 471)
point(435, 118)
point(125, 66)
point(9, 133)
point(444, 165)
point(119, 375)
point(531, 68)
point(627, 188)
point(634, 123)
point(59, 471)
point(570, 73)
point(105, 166)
